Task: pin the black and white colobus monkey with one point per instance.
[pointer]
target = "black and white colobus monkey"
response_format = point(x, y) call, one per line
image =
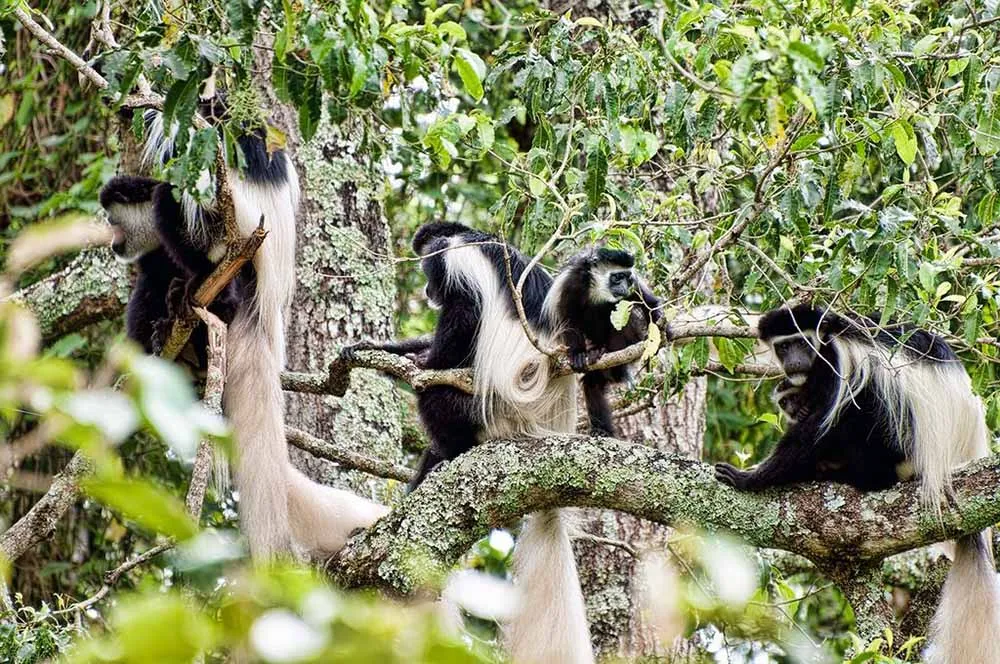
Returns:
point(479, 328)
point(871, 406)
point(581, 300)
point(172, 238)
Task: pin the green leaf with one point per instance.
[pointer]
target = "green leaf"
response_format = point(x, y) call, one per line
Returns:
point(686, 19)
point(109, 411)
point(988, 208)
point(472, 70)
point(731, 352)
point(622, 312)
point(987, 133)
point(957, 66)
point(806, 141)
point(311, 110)
point(770, 418)
point(180, 104)
point(653, 341)
point(905, 141)
point(925, 45)
point(6, 109)
point(168, 403)
point(453, 30)
point(806, 54)
point(141, 502)
point(597, 174)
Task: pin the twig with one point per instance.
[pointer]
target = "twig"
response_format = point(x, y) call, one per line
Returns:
point(202, 463)
point(607, 541)
point(345, 457)
point(46, 38)
point(336, 381)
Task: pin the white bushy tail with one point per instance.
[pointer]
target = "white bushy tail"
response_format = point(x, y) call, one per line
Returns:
point(551, 624)
point(966, 625)
point(520, 397)
point(254, 403)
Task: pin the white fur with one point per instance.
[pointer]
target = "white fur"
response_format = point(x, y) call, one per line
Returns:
point(942, 425)
point(520, 398)
point(518, 395)
point(279, 505)
point(140, 236)
point(600, 283)
point(967, 621)
point(931, 405)
point(280, 509)
point(551, 626)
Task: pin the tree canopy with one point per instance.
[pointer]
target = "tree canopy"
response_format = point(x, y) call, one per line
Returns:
point(749, 152)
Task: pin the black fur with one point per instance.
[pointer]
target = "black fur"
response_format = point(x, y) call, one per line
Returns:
point(587, 322)
point(862, 447)
point(170, 273)
point(453, 418)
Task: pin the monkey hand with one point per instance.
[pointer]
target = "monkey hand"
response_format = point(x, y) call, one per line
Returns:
point(177, 297)
point(578, 360)
point(349, 353)
point(419, 359)
point(161, 332)
point(733, 476)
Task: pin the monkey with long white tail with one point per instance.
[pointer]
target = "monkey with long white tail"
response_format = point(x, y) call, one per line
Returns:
point(176, 243)
point(580, 303)
point(869, 406)
point(469, 277)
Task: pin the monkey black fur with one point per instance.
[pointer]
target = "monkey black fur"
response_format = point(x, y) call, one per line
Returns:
point(582, 298)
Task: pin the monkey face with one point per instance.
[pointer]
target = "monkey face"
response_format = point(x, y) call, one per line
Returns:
point(128, 201)
point(796, 355)
point(611, 284)
point(133, 234)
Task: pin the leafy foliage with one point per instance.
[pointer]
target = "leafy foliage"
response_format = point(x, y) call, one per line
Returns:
point(840, 151)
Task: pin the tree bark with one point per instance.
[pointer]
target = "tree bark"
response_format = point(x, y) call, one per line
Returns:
point(346, 291)
point(608, 573)
point(835, 526)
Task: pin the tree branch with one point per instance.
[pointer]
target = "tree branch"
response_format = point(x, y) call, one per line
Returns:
point(495, 484)
point(92, 288)
point(337, 380)
point(346, 457)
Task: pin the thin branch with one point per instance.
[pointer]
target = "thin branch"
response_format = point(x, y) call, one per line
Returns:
point(66, 53)
point(345, 457)
point(202, 464)
point(336, 381)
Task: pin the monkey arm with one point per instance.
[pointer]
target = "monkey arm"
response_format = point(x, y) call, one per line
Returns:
point(576, 348)
point(171, 226)
point(402, 347)
point(793, 460)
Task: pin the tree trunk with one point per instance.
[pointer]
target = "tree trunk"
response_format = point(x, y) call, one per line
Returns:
point(346, 291)
point(608, 573)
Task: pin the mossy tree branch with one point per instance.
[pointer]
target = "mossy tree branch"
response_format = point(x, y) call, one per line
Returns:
point(494, 485)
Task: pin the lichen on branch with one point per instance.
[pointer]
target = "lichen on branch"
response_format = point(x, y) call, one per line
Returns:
point(497, 483)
